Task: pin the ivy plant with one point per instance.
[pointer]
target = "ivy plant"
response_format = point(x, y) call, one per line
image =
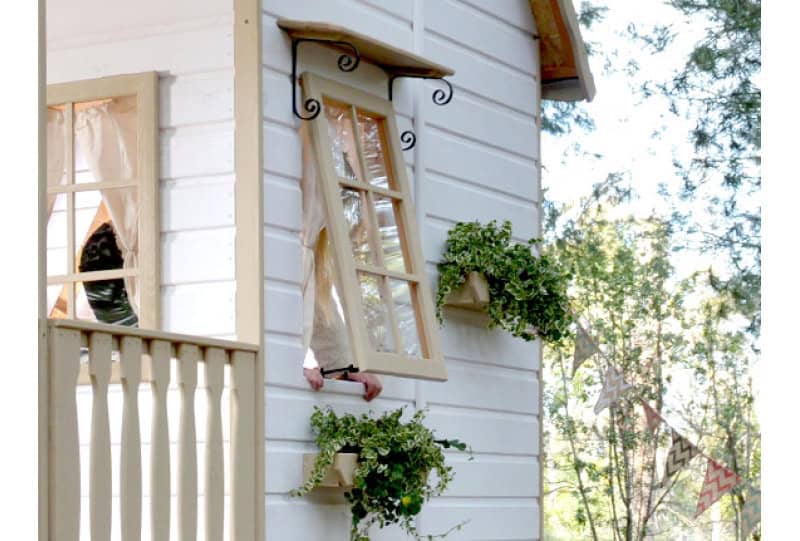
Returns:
point(528, 294)
point(395, 460)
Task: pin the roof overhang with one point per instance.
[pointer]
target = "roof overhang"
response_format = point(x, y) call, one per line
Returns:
point(565, 66)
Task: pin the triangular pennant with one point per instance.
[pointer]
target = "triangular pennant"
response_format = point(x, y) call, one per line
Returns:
point(653, 418)
point(680, 454)
point(614, 387)
point(719, 480)
point(585, 347)
point(751, 513)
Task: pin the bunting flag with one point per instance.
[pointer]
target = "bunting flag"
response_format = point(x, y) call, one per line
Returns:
point(614, 387)
point(719, 480)
point(751, 514)
point(584, 348)
point(653, 418)
point(680, 454)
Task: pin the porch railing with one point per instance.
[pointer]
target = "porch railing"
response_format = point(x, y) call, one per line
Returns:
point(103, 356)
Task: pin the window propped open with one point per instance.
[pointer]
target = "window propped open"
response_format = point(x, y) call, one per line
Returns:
point(372, 297)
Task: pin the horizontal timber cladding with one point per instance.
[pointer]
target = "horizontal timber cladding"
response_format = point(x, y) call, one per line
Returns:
point(475, 158)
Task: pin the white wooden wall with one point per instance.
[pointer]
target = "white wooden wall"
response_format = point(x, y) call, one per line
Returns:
point(190, 44)
point(476, 158)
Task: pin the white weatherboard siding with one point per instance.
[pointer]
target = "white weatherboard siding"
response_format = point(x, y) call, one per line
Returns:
point(479, 159)
point(190, 45)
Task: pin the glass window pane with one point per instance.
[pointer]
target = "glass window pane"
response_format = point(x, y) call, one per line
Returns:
point(391, 246)
point(356, 219)
point(373, 145)
point(106, 140)
point(406, 317)
point(57, 238)
point(343, 145)
point(105, 301)
point(376, 312)
point(57, 301)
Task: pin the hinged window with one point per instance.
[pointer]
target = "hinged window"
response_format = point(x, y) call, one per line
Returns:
point(381, 279)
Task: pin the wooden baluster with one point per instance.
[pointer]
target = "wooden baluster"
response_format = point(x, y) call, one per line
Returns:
point(161, 353)
point(131, 453)
point(100, 445)
point(187, 444)
point(64, 459)
point(243, 459)
point(215, 473)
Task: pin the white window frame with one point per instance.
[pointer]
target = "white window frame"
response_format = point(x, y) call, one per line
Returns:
point(366, 359)
point(145, 87)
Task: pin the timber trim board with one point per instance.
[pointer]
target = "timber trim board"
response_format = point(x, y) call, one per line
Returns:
point(249, 212)
point(392, 59)
point(431, 365)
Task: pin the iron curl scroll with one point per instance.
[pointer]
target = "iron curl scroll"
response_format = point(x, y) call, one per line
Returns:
point(439, 97)
point(408, 139)
point(347, 62)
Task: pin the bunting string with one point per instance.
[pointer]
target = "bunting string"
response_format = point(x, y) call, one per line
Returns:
point(718, 479)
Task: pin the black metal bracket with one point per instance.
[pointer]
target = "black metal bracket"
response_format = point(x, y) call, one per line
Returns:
point(347, 62)
point(347, 370)
point(439, 97)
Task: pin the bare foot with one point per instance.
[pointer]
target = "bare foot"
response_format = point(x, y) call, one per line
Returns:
point(314, 377)
point(372, 384)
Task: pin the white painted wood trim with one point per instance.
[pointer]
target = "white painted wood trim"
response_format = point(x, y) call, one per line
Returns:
point(100, 444)
point(188, 356)
point(214, 470)
point(131, 448)
point(146, 334)
point(64, 458)
point(160, 495)
point(249, 169)
point(243, 447)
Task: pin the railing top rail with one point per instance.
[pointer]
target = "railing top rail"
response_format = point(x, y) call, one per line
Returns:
point(147, 334)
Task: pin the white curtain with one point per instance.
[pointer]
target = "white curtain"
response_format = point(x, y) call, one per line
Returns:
point(325, 338)
point(106, 136)
point(56, 154)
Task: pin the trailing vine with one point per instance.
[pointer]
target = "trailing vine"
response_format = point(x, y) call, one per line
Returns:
point(391, 481)
point(528, 294)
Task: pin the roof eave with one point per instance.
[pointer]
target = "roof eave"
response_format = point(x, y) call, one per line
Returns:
point(577, 83)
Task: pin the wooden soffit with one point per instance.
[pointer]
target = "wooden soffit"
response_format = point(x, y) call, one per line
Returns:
point(392, 59)
point(565, 68)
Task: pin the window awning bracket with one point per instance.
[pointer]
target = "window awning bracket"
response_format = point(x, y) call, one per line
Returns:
point(395, 62)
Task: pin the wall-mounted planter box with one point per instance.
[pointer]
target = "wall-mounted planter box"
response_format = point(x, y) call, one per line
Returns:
point(472, 295)
point(340, 474)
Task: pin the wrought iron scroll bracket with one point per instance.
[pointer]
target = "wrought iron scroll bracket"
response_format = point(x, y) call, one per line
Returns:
point(347, 62)
point(439, 97)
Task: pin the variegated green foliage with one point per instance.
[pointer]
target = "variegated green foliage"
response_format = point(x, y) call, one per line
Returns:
point(392, 479)
point(528, 293)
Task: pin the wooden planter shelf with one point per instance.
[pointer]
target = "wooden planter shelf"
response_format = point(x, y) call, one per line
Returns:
point(339, 475)
point(472, 295)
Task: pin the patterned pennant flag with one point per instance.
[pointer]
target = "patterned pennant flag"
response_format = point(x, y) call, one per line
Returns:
point(653, 418)
point(614, 387)
point(751, 514)
point(584, 348)
point(680, 454)
point(719, 480)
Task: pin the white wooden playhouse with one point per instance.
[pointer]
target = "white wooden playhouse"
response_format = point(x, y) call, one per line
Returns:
point(195, 151)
